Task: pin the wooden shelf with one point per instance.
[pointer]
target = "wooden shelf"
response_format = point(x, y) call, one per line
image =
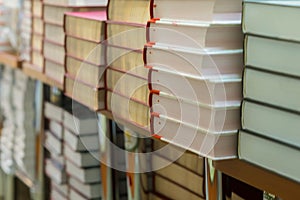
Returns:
point(10, 59)
point(259, 178)
point(26, 180)
point(31, 72)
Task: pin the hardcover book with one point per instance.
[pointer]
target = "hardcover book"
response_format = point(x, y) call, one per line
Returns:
point(258, 18)
point(272, 55)
point(78, 24)
point(270, 155)
point(196, 62)
point(216, 10)
point(272, 89)
point(227, 35)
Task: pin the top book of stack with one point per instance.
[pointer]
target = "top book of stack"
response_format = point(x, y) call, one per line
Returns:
point(134, 11)
point(211, 10)
point(77, 3)
point(276, 19)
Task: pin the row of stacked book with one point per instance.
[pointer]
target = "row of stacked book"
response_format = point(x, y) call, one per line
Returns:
point(74, 145)
point(270, 112)
point(10, 16)
point(19, 107)
point(195, 63)
point(145, 65)
point(71, 139)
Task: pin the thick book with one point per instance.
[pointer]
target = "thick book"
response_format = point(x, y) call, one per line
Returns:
point(205, 10)
point(53, 112)
point(37, 60)
point(271, 122)
point(54, 194)
point(54, 70)
point(78, 24)
point(201, 62)
point(186, 159)
point(37, 42)
point(274, 89)
point(85, 175)
point(259, 17)
point(77, 3)
point(82, 159)
point(227, 35)
point(82, 121)
point(85, 50)
point(53, 144)
point(214, 145)
point(85, 71)
point(55, 13)
point(126, 34)
point(268, 154)
point(56, 128)
point(59, 160)
point(126, 59)
point(272, 54)
point(205, 116)
point(61, 188)
point(74, 194)
point(37, 9)
point(81, 143)
point(127, 109)
point(169, 189)
point(212, 90)
point(136, 11)
point(179, 175)
point(127, 84)
point(38, 25)
point(88, 190)
point(54, 33)
point(85, 94)
point(56, 174)
point(54, 52)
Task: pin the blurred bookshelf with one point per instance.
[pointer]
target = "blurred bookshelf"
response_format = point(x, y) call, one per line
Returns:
point(94, 94)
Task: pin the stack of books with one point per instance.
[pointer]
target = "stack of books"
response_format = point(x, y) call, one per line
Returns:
point(23, 100)
point(37, 58)
point(8, 130)
point(81, 151)
point(270, 111)
point(55, 164)
point(85, 62)
point(126, 78)
point(10, 25)
point(4, 41)
point(194, 54)
point(178, 174)
point(26, 30)
point(54, 39)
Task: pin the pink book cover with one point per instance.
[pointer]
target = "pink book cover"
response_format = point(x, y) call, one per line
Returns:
point(213, 90)
point(207, 117)
point(203, 143)
point(93, 15)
